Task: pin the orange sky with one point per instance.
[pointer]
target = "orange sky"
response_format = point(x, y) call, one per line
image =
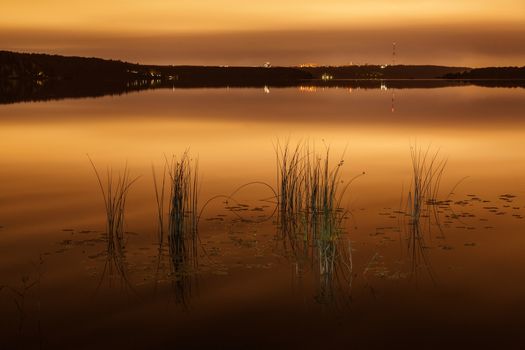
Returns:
point(463, 32)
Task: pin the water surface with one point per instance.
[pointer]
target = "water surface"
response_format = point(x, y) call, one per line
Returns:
point(462, 285)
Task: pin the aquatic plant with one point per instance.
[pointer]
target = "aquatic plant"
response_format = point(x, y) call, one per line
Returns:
point(324, 195)
point(427, 172)
point(310, 192)
point(177, 212)
point(114, 189)
point(290, 174)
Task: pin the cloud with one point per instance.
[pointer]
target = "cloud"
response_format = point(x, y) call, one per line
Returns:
point(470, 45)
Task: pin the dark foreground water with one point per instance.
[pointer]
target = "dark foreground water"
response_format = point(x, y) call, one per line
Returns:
point(459, 283)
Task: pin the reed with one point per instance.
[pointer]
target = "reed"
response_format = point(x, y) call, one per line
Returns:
point(427, 173)
point(324, 196)
point(182, 223)
point(423, 199)
point(290, 174)
point(310, 193)
point(309, 190)
point(114, 189)
point(177, 212)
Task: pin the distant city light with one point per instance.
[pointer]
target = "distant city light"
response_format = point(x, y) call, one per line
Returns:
point(307, 88)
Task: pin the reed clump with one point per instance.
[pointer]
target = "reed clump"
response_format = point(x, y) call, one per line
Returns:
point(115, 188)
point(177, 208)
point(423, 200)
point(310, 192)
point(427, 173)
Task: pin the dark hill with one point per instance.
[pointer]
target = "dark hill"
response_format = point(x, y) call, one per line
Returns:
point(24, 66)
point(498, 73)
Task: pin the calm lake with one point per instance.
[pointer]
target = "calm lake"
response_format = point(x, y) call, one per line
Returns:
point(457, 279)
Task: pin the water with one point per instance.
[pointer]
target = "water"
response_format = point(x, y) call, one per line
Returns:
point(460, 284)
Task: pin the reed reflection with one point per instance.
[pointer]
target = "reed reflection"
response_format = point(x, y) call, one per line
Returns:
point(25, 295)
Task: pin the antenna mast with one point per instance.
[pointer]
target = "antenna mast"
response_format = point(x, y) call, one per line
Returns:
point(394, 53)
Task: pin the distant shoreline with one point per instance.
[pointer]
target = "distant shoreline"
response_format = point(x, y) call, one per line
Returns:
point(37, 77)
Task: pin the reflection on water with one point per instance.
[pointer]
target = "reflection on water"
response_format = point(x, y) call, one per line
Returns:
point(14, 91)
point(26, 308)
point(346, 252)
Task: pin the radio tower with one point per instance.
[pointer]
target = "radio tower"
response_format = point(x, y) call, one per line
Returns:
point(394, 53)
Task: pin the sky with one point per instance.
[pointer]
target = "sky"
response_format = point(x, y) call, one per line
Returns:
point(241, 32)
